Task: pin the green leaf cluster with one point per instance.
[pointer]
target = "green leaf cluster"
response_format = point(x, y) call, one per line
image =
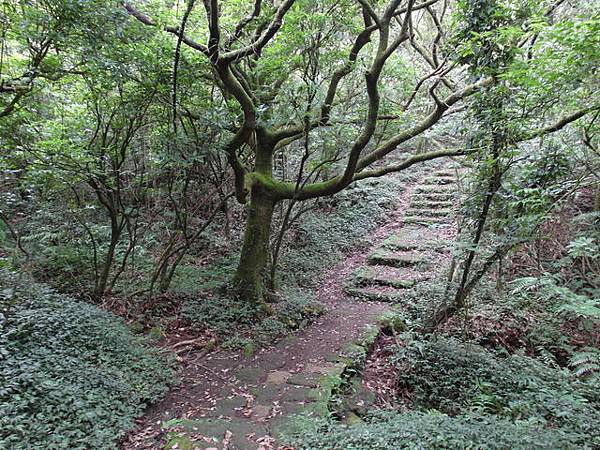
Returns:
point(71, 375)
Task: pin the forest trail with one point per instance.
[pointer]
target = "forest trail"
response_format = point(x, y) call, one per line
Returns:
point(227, 400)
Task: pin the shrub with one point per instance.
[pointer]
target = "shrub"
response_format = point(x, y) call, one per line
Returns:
point(465, 397)
point(71, 375)
point(239, 323)
point(456, 378)
point(421, 430)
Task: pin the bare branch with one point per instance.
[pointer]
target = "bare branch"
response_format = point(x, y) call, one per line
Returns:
point(370, 11)
point(559, 124)
point(256, 47)
point(245, 21)
point(408, 162)
point(441, 107)
point(147, 20)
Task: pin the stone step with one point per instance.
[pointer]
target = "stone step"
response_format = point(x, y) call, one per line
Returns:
point(399, 242)
point(444, 173)
point(385, 257)
point(403, 273)
point(441, 212)
point(424, 220)
point(406, 240)
point(374, 295)
point(434, 196)
point(183, 433)
point(439, 180)
point(368, 276)
point(434, 188)
point(430, 204)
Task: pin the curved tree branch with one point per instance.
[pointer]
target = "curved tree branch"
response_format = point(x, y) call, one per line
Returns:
point(147, 20)
point(256, 47)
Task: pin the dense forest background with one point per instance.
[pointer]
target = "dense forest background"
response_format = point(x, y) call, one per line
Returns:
point(181, 176)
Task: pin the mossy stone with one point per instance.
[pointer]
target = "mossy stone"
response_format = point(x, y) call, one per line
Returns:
point(365, 276)
point(351, 418)
point(354, 351)
point(429, 212)
point(215, 429)
point(434, 187)
point(392, 322)
point(284, 427)
point(439, 180)
point(178, 441)
point(302, 394)
point(305, 379)
point(386, 258)
point(433, 196)
point(423, 220)
point(337, 358)
point(275, 361)
point(156, 333)
point(266, 394)
point(401, 242)
point(250, 374)
point(361, 400)
point(432, 204)
point(228, 407)
point(136, 327)
point(371, 295)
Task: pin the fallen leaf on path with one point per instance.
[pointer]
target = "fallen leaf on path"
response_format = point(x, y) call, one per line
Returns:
point(227, 440)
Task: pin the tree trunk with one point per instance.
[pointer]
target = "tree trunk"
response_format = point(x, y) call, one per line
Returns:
point(249, 281)
point(102, 280)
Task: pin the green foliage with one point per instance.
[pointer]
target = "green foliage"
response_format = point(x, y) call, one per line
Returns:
point(319, 240)
point(461, 396)
point(239, 323)
point(489, 30)
point(562, 56)
point(456, 378)
point(464, 397)
point(190, 279)
point(582, 247)
point(431, 430)
point(71, 375)
point(586, 364)
point(547, 289)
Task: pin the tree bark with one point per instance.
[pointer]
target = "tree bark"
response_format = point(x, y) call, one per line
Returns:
point(249, 281)
point(102, 281)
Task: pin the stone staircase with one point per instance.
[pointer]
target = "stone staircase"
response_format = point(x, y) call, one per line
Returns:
point(246, 402)
point(414, 253)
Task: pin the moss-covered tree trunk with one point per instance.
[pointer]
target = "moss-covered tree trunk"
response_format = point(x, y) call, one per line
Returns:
point(251, 275)
point(249, 281)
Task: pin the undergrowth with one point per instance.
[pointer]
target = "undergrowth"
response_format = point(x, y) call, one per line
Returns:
point(318, 241)
point(72, 376)
point(462, 396)
point(418, 430)
point(240, 324)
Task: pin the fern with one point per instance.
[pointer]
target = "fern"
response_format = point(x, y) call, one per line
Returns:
point(586, 364)
point(523, 284)
point(547, 289)
point(583, 307)
point(587, 217)
point(583, 247)
point(546, 356)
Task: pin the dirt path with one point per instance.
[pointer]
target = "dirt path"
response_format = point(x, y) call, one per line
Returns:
point(230, 401)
